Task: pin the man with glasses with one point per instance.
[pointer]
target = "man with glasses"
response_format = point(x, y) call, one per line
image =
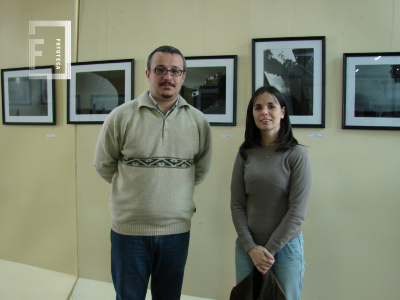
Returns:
point(153, 150)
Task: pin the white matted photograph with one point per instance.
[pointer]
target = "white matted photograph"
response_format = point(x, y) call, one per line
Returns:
point(96, 88)
point(296, 67)
point(371, 91)
point(28, 96)
point(210, 86)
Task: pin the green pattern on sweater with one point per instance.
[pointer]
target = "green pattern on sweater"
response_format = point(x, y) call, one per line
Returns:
point(158, 162)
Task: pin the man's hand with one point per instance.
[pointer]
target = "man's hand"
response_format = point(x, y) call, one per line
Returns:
point(262, 259)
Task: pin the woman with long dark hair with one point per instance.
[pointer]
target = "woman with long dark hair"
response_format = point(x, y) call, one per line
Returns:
point(271, 184)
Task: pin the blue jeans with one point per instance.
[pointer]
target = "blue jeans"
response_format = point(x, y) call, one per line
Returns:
point(135, 258)
point(288, 267)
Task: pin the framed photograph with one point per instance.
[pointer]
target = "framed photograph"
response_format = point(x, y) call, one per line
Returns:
point(210, 86)
point(28, 96)
point(371, 91)
point(96, 88)
point(296, 67)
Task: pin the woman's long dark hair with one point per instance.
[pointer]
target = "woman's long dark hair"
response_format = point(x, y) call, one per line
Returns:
point(252, 135)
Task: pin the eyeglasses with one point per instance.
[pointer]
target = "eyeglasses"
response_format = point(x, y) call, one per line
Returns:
point(173, 72)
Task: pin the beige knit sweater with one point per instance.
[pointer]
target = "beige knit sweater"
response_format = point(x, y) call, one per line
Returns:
point(153, 164)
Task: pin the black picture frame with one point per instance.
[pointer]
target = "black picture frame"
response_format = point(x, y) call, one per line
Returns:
point(296, 67)
point(211, 86)
point(28, 96)
point(371, 91)
point(97, 87)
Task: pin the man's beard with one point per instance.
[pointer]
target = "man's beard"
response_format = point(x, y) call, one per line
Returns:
point(166, 96)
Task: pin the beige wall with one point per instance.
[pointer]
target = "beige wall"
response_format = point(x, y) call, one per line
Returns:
point(352, 226)
point(37, 173)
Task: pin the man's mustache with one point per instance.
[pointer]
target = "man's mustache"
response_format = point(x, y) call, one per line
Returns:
point(166, 83)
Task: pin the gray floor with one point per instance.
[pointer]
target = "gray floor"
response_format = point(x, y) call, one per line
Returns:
point(86, 289)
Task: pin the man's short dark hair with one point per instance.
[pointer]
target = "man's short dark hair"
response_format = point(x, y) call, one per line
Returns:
point(167, 49)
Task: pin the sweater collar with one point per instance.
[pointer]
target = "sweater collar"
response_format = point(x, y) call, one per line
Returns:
point(144, 100)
